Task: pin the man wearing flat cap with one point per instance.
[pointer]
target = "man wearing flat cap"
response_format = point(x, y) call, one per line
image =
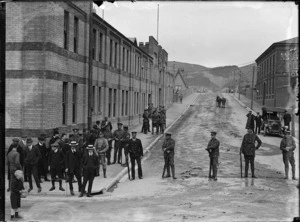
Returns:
point(90, 163)
point(146, 121)
point(213, 150)
point(169, 152)
point(32, 155)
point(287, 146)
point(54, 138)
point(248, 148)
point(43, 161)
point(117, 136)
point(76, 137)
point(72, 165)
point(124, 144)
point(136, 152)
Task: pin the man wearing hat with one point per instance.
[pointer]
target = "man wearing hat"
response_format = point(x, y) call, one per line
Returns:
point(287, 119)
point(32, 155)
point(248, 148)
point(155, 121)
point(89, 164)
point(43, 162)
point(101, 146)
point(213, 150)
point(117, 136)
point(258, 123)
point(13, 160)
point(55, 137)
point(145, 126)
point(106, 125)
point(168, 149)
point(287, 146)
point(56, 161)
point(135, 149)
point(250, 121)
point(109, 136)
point(72, 165)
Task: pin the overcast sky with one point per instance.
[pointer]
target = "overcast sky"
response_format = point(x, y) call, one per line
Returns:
point(206, 33)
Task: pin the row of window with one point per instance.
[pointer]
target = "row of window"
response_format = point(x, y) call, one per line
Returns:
point(66, 32)
point(267, 67)
point(268, 86)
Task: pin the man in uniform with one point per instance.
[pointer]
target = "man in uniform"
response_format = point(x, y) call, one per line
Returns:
point(89, 164)
point(213, 150)
point(136, 153)
point(287, 145)
point(287, 119)
point(101, 146)
point(32, 156)
point(72, 161)
point(43, 162)
point(169, 152)
point(248, 149)
point(155, 121)
point(76, 137)
point(117, 136)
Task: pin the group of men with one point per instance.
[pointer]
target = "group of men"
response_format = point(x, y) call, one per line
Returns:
point(221, 101)
point(158, 117)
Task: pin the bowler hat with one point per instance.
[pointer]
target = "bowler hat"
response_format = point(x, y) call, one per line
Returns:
point(90, 147)
point(73, 143)
point(120, 123)
point(29, 140)
point(15, 140)
point(213, 133)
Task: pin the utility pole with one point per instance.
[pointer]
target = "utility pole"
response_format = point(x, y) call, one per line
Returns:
point(157, 20)
point(252, 87)
point(240, 86)
point(90, 73)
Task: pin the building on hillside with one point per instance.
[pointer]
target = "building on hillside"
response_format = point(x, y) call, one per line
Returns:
point(277, 74)
point(181, 87)
point(47, 69)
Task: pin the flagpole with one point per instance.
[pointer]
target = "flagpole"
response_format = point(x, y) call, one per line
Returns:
point(157, 20)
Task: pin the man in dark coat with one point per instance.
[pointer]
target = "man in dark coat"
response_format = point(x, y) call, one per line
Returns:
point(105, 124)
point(287, 146)
point(135, 149)
point(223, 102)
point(168, 148)
point(258, 123)
point(43, 161)
point(109, 136)
point(13, 161)
point(76, 137)
point(213, 150)
point(56, 161)
point(248, 149)
point(89, 164)
point(155, 121)
point(250, 121)
point(287, 119)
point(72, 164)
point(54, 138)
point(22, 144)
point(32, 156)
point(145, 126)
point(117, 136)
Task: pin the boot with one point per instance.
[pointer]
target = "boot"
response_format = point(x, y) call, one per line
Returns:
point(252, 172)
point(52, 188)
point(104, 173)
point(72, 192)
point(293, 173)
point(286, 173)
point(12, 217)
point(17, 215)
point(173, 172)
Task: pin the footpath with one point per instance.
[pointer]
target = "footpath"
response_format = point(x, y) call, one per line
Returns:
point(115, 172)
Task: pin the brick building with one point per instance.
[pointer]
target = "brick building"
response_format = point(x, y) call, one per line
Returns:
point(277, 74)
point(47, 61)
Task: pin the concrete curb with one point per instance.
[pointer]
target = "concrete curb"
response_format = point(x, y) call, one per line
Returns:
point(148, 148)
point(249, 109)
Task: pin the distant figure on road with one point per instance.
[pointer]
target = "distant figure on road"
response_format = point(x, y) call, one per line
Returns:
point(135, 149)
point(258, 123)
point(287, 119)
point(223, 102)
point(180, 98)
point(287, 145)
point(213, 150)
point(168, 148)
point(218, 100)
point(250, 121)
point(248, 149)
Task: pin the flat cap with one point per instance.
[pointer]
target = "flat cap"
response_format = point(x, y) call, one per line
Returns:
point(120, 123)
point(125, 126)
point(29, 140)
point(15, 140)
point(213, 132)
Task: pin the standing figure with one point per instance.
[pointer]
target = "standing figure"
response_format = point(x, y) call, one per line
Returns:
point(32, 155)
point(109, 136)
point(117, 136)
point(250, 121)
point(55, 137)
point(76, 137)
point(56, 161)
point(213, 150)
point(248, 149)
point(105, 124)
point(287, 145)
point(101, 146)
point(287, 119)
point(162, 125)
point(89, 164)
point(169, 152)
point(136, 152)
point(145, 126)
point(155, 121)
point(218, 100)
point(22, 144)
point(223, 102)
point(17, 189)
point(72, 161)
point(13, 162)
point(125, 144)
point(258, 123)
point(43, 161)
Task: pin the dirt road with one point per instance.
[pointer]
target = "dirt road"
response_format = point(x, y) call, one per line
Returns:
point(191, 197)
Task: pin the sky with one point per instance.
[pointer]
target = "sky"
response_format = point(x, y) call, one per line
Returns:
point(206, 33)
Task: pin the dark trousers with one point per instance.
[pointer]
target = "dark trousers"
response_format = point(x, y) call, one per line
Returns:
point(42, 168)
point(117, 150)
point(288, 157)
point(32, 169)
point(257, 129)
point(168, 158)
point(214, 165)
point(145, 127)
point(249, 159)
point(108, 152)
point(77, 174)
point(88, 176)
point(56, 172)
point(162, 127)
point(138, 160)
point(25, 172)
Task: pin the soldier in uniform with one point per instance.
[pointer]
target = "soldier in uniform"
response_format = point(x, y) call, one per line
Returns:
point(109, 136)
point(43, 162)
point(76, 137)
point(169, 152)
point(136, 152)
point(89, 164)
point(155, 121)
point(13, 162)
point(248, 149)
point(287, 146)
point(213, 150)
point(72, 164)
point(101, 146)
point(117, 136)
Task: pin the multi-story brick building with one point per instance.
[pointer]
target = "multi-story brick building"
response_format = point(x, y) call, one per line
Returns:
point(47, 63)
point(277, 74)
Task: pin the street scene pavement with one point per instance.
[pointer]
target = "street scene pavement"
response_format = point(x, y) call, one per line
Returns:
point(191, 197)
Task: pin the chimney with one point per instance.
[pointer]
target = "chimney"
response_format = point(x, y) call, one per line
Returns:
point(141, 44)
